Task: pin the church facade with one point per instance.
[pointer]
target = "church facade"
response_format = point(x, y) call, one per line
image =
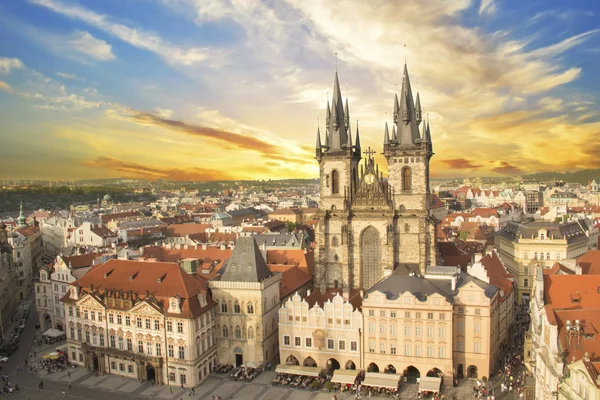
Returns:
point(368, 225)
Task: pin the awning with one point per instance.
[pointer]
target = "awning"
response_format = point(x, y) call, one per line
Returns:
point(430, 384)
point(297, 370)
point(250, 364)
point(54, 333)
point(378, 379)
point(344, 376)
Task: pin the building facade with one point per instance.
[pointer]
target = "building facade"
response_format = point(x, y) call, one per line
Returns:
point(8, 283)
point(369, 226)
point(524, 246)
point(146, 320)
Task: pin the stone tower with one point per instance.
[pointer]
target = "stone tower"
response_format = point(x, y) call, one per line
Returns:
point(369, 226)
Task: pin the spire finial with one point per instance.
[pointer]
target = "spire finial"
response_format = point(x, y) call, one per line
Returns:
point(335, 61)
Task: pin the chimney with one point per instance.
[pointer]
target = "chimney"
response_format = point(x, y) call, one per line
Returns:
point(477, 258)
point(453, 283)
point(203, 246)
point(307, 292)
point(577, 269)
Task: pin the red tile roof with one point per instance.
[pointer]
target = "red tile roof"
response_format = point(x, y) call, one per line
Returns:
point(590, 262)
point(182, 230)
point(28, 231)
point(119, 216)
point(497, 274)
point(103, 231)
point(81, 261)
point(316, 297)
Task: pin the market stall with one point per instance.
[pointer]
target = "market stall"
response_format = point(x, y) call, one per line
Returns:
point(344, 376)
point(430, 384)
point(297, 370)
point(382, 380)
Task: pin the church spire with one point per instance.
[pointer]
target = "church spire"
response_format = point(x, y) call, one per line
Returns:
point(386, 136)
point(349, 143)
point(396, 108)
point(22, 220)
point(408, 130)
point(418, 113)
point(337, 120)
point(394, 134)
point(318, 147)
point(347, 117)
point(357, 139)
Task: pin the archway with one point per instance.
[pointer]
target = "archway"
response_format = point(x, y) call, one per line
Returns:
point(472, 371)
point(239, 356)
point(95, 364)
point(435, 372)
point(291, 360)
point(373, 368)
point(332, 365)
point(350, 365)
point(309, 362)
point(370, 251)
point(412, 374)
point(150, 373)
point(390, 369)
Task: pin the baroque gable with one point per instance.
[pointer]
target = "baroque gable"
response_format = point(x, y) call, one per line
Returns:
point(89, 301)
point(144, 308)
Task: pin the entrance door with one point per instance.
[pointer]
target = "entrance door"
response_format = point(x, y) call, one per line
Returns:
point(150, 373)
point(239, 360)
point(94, 362)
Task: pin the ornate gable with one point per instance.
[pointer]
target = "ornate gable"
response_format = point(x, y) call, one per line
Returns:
point(89, 301)
point(145, 308)
point(372, 190)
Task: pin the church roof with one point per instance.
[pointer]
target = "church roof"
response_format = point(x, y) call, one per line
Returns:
point(246, 263)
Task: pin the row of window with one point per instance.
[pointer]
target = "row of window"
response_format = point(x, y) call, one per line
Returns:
point(410, 350)
point(237, 309)
point(558, 256)
point(146, 323)
point(408, 330)
point(238, 333)
point(408, 314)
point(308, 343)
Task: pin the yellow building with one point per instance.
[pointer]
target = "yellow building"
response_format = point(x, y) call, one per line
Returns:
point(523, 246)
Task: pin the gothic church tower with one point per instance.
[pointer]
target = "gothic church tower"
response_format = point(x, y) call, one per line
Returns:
point(369, 226)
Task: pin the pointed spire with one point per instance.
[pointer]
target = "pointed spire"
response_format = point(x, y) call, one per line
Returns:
point(408, 131)
point(337, 128)
point(349, 142)
point(428, 137)
point(424, 135)
point(318, 147)
point(22, 220)
point(327, 143)
point(357, 139)
point(394, 134)
point(328, 115)
point(386, 136)
point(346, 116)
point(396, 108)
point(418, 113)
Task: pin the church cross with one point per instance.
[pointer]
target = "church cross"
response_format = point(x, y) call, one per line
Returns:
point(369, 153)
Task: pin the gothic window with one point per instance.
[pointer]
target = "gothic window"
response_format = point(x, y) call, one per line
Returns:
point(336, 258)
point(370, 257)
point(223, 307)
point(406, 228)
point(225, 331)
point(238, 332)
point(334, 241)
point(236, 307)
point(406, 178)
point(250, 333)
point(335, 182)
point(250, 308)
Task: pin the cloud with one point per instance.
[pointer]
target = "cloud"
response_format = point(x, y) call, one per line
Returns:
point(85, 43)
point(135, 37)
point(460, 163)
point(69, 76)
point(8, 64)
point(136, 170)
point(507, 169)
point(5, 87)
point(487, 7)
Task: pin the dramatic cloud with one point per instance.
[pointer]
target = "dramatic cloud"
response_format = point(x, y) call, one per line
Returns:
point(5, 86)
point(8, 64)
point(487, 7)
point(507, 169)
point(72, 77)
point(87, 44)
point(135, 170)
point(135, 37)
point(460, 163)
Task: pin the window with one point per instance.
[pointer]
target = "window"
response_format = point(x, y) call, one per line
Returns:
point(78, 333)
point(112, 341)
point(535, 256)
point(140, 346)
point(430, 315)
point(138, 322)
point(353, 345)
point(99, 317)
point(407, 349)
point(406, 314)
point(171, 351)
point(70, 309)
point(87, 336)
point(558, 256)
point(330, 344)
point(180, 327)
point(129, 344)
point(406, 178)
point(225, 331)
point(113, 365)
point(72, 331)
point(120, 343)
point(418, 315)
point(477, 327)
point(149, 348)
point(223, 307)
point(442, 352)
point(129, 368)
point(111, 318)
point(172, 376)
point(526, 255)
point(93, 315)
point(393, 314)
point(382, 348)
point(297, 341)
point(417, 350)
point(460, 345)
point(461, 310)
point(127, 320)
point(236, 308)
point(392, 348)
point(371, 328)
point(430, 331)
point(371, 347)
point(182, 378)
point(170, 326)
point(407, 330)
point(478, 311)
point(382, 313)
point(441, 332)
point(442, 316)
point(286, 340)
point(342, 345)
point(250, 308)
point(147, 323)
point(526, 282)
point(461, 327)
point(477, 347)
point(94, 339)
point(382, 328)
point(418, 330)
point(308, 342)
point(335, 182)
point(158, 350)
point(101, 337)
point(371, 313)
point(156, 324)
point(541, 256)
point(392, 329)
point(250, 333)
point(181, 352)
point(430, 351)
point(85, 314)
point(238, 332)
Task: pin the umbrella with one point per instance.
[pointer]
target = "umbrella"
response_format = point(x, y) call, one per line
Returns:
point(52, 356)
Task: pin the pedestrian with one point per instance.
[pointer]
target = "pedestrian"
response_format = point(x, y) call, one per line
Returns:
point(69, 374)
point(63, 394)
point(69, 384)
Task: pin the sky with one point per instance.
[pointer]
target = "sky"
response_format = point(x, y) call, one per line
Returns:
point(235, 89)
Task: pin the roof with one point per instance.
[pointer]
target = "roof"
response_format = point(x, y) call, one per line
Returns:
point(435, 202)
point(496, 273)
point(28, 230)
point(572, 291)
point(160, 280)
point(122, 215)
point(395, 285)
point(182, 230)
point(80, 261)
point(246, 263)
point(280, 240)
point(572, 231)
point(593, 368)
point(316, 297)
point(103, 231)
point(292, 278)
point(590, 262)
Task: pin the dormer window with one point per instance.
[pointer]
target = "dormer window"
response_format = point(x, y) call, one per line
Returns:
point(174, 306)
point(74, 294)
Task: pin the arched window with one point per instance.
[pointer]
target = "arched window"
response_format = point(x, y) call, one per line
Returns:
point(406, 178)
point(238, 332)
point(334, 241)
point(250, 308)
point(236, 308)
point(225, 331)
point(223, 307)
point(250, 333)
point(335, 182)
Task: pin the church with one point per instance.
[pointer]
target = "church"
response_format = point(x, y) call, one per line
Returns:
point(370, 225)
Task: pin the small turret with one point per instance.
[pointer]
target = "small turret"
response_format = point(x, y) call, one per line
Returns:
point(396, 109)
point(22, 220)
point(386, 136)
point(328, 114)
point(394, 134)
point(347, 117)
point(418, 113)
point(357, 147)
point(318, 146)
point(349, 142)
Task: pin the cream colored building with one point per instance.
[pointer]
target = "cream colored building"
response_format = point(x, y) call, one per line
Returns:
point(581, 382)
point(150, 321)
point(247, 296)
point(523, 246)
point(322, 330)
point(8, 283)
